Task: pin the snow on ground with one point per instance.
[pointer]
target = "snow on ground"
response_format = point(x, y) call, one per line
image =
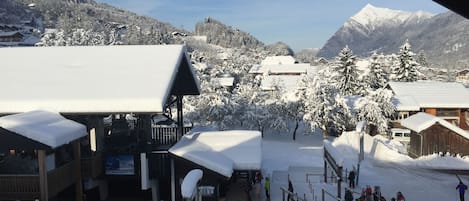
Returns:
point(383, 166)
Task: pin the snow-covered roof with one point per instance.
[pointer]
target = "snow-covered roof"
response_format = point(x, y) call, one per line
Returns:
point(405, 103)
point(290, 82)
point(225, 81)
point(222, 151)
point(280, 69)
point(9, 33)
point(429, 94)
point(421, 121)
point(275, 60)
point(46, 127)
point(94, 79)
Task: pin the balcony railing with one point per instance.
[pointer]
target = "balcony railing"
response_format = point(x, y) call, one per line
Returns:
point(166, 135)
point(26, 187)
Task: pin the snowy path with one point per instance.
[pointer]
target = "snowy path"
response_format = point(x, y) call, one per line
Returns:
point(283, 156)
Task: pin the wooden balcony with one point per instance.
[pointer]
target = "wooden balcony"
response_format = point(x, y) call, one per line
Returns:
point(19, 187)
point(163, 137)
point(26, 187)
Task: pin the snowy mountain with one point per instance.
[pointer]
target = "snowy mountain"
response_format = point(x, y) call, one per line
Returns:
point(384, 30)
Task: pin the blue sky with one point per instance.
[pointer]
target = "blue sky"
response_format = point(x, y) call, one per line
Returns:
point(299, 23)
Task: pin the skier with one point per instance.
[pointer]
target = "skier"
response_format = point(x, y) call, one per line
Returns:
point(400, 196)
point(267, 188)
point(351, 179)
point(368, 193)
point(348, 195)
point(257, 185)
point(290, 189)
point(462, 189)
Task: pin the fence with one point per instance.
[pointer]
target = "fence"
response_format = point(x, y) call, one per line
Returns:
point(293, 196)
point(166, 135)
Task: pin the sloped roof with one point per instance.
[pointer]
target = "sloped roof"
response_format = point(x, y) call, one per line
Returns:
point(275, 60)
point(45, 127)
point(280, 68)
point(222, 151)
point(421, 121)
point(94, 79)
point(425, 94)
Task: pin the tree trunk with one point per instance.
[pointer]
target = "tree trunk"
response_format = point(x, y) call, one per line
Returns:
point(324, 133)
point(294, 131)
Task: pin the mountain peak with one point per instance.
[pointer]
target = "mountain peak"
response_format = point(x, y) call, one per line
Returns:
point(372, 16)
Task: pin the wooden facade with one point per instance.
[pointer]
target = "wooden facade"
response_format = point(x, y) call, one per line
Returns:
point(435, 139)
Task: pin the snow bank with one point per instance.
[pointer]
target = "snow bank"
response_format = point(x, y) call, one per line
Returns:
point(381, 149)
point(189, 184)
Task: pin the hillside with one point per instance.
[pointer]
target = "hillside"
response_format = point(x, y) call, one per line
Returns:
point(226, 36)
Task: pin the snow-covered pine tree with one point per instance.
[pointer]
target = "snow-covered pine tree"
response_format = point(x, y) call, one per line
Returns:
point(376, 108)
point(325, 108)
point(347, 77)
point(276, 104)
point(405, 68)
point(377, 77)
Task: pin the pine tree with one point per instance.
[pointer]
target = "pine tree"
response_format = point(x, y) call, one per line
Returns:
point(377, 77)
point(347, 77)
point(325, 108)
point(422, 59)
point(405, 68)
point(376, 108)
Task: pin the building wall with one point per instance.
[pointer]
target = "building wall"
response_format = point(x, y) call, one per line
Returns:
point(436, 139)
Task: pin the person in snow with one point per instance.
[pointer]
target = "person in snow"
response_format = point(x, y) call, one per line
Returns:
point(257, 185)
point(267, 188)
point(348, 195)
point(400, 196)
point(368, 193)
point(351, 179)
point(462, 189)
point(290, 189)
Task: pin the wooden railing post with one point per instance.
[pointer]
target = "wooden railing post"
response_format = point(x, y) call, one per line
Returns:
point(41, 158)
point(283, 195)
point(78, 184)
point(323, 195)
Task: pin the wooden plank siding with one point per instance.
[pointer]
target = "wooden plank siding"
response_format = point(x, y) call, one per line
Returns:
point(431, 111)
point(462, 117)
point(436, 139)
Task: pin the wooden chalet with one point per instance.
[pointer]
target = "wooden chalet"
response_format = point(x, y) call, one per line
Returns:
point(37, 164)
point(126, 85)
point(431, 134)
point(446, 100)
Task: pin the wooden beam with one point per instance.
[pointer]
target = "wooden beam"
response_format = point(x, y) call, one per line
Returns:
point(41, 158)
point(77, 158)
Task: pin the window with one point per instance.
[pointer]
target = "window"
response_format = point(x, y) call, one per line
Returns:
point(440, 112)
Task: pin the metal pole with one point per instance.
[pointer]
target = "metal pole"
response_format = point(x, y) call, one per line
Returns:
point(173, 181)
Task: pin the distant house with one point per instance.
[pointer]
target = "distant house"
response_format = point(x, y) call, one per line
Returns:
point(11, 36)
point(280, 69)
point(463, 76)
point(431, 134)
point(446, 100)
point(275, 60)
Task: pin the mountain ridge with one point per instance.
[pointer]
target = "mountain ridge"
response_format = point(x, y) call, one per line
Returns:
point(440, 36)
